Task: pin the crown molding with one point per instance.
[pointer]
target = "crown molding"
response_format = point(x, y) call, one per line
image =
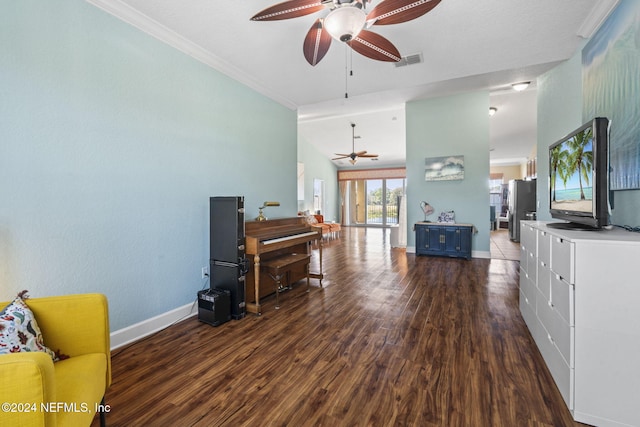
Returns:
point(596, 17)
point(133, 17)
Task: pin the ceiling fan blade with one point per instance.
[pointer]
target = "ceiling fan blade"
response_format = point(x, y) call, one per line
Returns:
point(369, 155)
point(316, 43)
point(288, 9)
point(360, 153)
point(341, 154)
point(374, 46)
point(341, 157)
point(397, 11)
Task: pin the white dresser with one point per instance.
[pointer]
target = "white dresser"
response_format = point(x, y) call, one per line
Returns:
point(580, 298)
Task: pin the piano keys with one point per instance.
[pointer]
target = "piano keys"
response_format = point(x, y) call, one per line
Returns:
point(273, 238)
point(286, 238)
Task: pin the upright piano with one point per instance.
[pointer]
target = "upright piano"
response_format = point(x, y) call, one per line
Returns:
point(273, 238)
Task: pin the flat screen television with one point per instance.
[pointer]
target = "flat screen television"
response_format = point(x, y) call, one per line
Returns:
point(579, 177)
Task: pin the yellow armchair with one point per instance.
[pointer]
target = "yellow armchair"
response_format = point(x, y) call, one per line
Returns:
point(35, 391)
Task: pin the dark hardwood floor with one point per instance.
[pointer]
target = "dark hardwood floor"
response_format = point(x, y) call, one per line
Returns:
point(392, 340)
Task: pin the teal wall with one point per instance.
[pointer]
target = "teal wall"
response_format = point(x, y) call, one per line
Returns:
point(560, 111)
point(455, 125)
point(111, 143)
point(318, 166)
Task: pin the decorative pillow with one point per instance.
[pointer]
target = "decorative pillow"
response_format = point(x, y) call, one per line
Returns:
point(19, 330)
point(311, 219)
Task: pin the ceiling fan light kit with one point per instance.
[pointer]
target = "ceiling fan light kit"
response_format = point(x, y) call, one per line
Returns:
point(346, 21)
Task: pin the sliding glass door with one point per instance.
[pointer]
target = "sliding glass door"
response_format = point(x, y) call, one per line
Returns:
point(374, 201)
point(394, 189)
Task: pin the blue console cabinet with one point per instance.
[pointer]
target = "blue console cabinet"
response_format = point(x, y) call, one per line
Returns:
point(452, 240)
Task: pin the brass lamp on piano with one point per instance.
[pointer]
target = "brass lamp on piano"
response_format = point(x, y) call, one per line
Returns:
point(261, 216)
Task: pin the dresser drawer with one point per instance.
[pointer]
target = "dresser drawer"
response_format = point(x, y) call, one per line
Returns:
point(561, 372)
point(524, 257)
point(544, 247)
point(562, 258)
point(543, 276)
point(558, 329)
point(532, 267)
point(527, 287)
point(562, 295)
point(528, 312)
point(528, 237)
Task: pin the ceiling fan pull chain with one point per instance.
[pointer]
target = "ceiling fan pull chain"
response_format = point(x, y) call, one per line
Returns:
point(350, 62)
point(346, 72)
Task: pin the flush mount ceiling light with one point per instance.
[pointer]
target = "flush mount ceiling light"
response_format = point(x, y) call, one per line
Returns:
point(520, 86)
point(492, 110)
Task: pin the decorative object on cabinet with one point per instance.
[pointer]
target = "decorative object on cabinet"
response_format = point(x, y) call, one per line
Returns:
point(261, 216)
point(579, 298)
point(447, 217)
point(448, 168)
point(451, 240)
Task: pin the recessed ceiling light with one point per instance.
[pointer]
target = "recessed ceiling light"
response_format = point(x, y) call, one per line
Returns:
point(520, 86)
point(492, 110)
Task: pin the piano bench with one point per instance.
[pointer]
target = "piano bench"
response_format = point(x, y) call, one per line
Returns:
point(278, 267)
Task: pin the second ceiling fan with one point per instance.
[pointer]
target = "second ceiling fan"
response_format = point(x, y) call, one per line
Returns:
point(346, 22)
point(353, 156)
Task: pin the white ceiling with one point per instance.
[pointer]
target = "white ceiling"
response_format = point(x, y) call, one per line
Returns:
point(467, 45)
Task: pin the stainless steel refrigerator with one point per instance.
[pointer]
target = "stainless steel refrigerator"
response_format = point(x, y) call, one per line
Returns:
point(228, 264)
point(522, 204)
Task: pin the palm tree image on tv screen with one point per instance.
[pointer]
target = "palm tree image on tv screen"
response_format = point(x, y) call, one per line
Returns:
point(571, 173)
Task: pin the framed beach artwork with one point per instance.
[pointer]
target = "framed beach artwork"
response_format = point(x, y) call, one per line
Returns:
point(448, 168)
point(611, 88)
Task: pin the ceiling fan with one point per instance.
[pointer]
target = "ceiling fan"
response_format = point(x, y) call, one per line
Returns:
point(345, 22)
point(353, 157)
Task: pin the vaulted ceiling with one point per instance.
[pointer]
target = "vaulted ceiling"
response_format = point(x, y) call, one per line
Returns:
point(464, 45)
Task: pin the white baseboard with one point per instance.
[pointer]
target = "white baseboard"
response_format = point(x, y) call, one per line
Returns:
point(481, 254)
point(139, 330)
point(474, 254)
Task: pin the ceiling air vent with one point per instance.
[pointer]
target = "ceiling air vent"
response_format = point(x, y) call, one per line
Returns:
point(409, 60)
